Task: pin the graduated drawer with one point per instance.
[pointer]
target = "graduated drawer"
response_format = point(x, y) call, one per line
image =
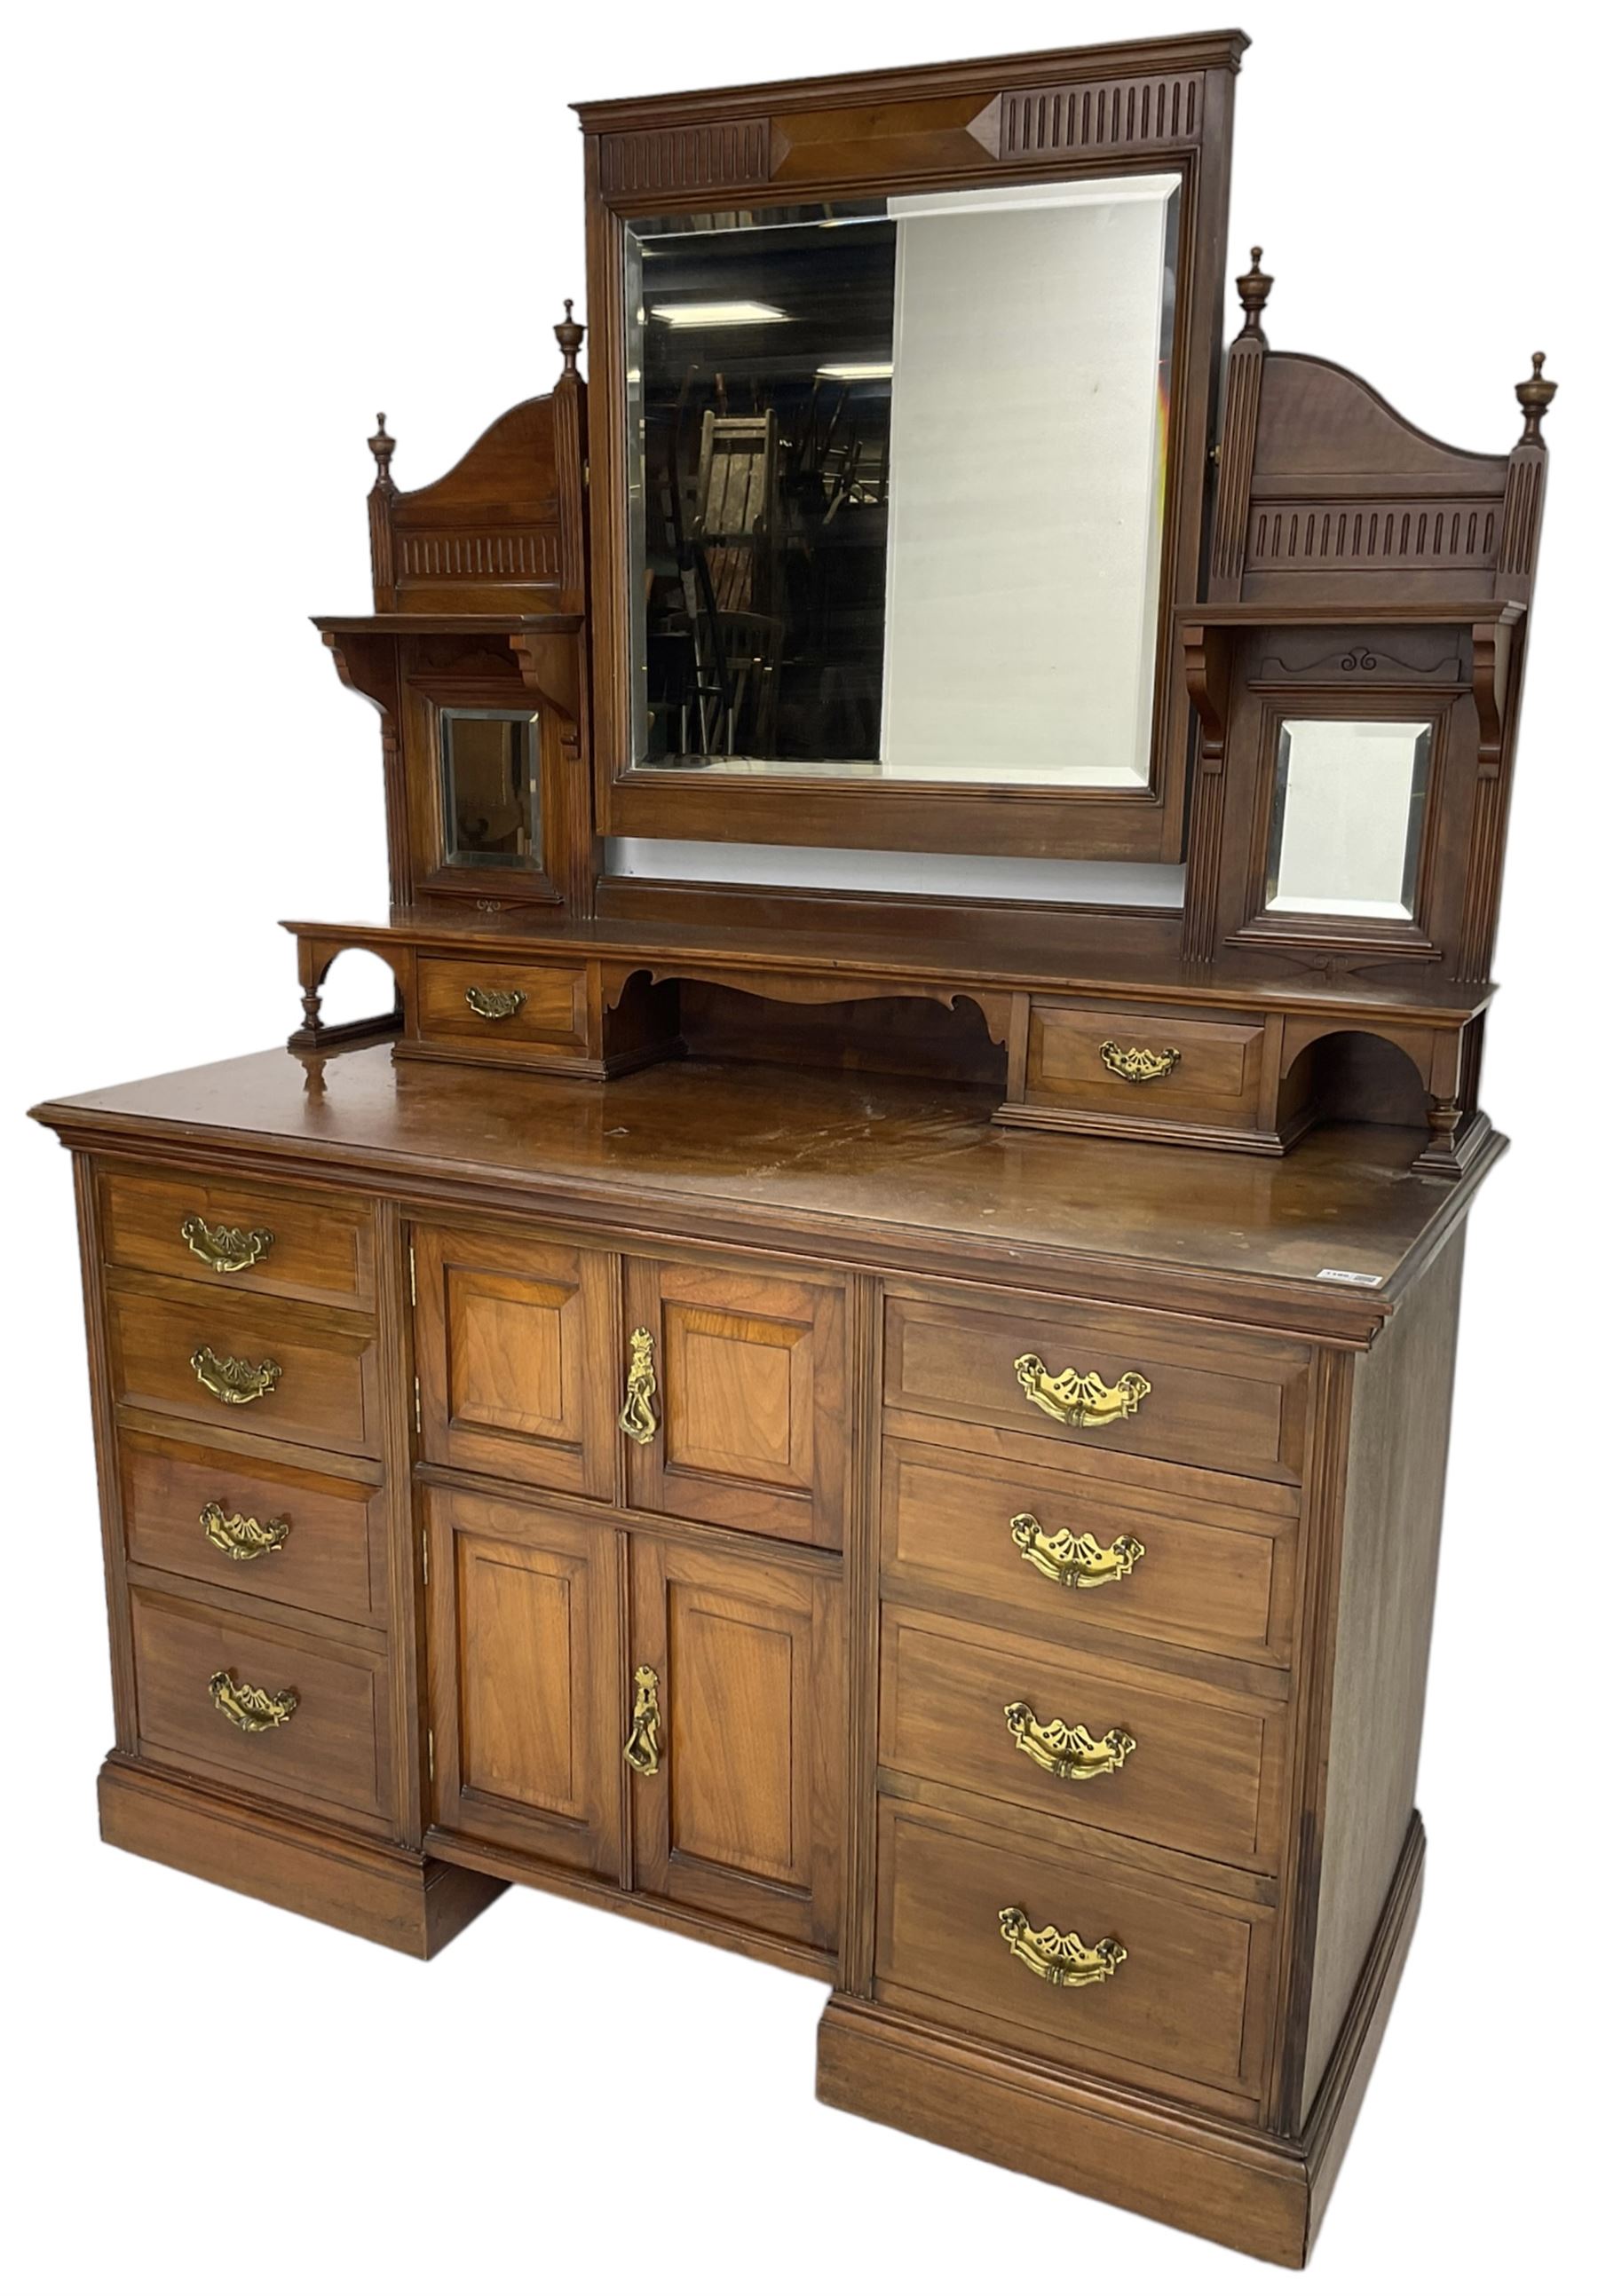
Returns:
point(1164, 1390)
point(1148, 1755)
point(1210, 1573)
point(500, 1008)
point(324, 1390)
point(1186, 2005)
point(239, 1234)
point(1119, 1064)
point(330, 1755)
point(314, 1541)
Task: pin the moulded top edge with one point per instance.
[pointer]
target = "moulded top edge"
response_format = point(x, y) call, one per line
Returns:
point(1191, 50)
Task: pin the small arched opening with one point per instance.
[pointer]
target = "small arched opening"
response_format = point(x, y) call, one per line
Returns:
point(1350, 1076)
point(355, 998)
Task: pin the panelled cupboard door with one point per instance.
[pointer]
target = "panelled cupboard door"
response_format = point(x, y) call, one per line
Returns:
point(516, 1358)
point(748, 1399)
point(741, 1816)
point(527, 1674)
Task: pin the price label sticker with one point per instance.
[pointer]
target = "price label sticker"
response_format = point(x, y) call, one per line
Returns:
point(1345, 1276)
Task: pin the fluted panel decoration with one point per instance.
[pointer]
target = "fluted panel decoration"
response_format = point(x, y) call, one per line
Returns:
point(1522, 517)
point(686, 159)
point(1202, 902)
point(531, 554)
point(1245, 366)
point(1351, 536)
point(1042, 123)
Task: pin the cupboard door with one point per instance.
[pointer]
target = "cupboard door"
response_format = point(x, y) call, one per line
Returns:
point(741, 1816)
point(514, 1358)
point(527, 1669)
point(748, 1371)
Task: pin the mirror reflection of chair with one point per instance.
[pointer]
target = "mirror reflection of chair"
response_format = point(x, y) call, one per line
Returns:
point(738, 636)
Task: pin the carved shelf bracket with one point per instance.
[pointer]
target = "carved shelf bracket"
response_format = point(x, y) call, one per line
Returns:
point(550, 675)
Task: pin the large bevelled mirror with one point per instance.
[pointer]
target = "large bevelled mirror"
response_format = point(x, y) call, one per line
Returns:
point(896, 474)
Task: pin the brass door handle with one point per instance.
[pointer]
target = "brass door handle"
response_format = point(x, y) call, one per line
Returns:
point(1060, 1957)
point(1074, 1558)
point(225, 1250)
point(248, 1709)
point(1080, 1398)
point(1068, 1749)
point(637, 1417)
point(242, 1537)
point(642, 1749)
point(232, 1379)
point(1137, 1063)
point(495, 1004)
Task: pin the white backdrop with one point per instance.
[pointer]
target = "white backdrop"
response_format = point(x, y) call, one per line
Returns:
point(234, 236)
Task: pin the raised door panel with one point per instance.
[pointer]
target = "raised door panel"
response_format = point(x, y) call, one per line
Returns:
point(747, 1403)
point(527, 1673)
point(740, 1818)
point(516, 1373)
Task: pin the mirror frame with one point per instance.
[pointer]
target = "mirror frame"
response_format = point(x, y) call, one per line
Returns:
point(425, 693)
point(1343, 928)
point(1157, 106)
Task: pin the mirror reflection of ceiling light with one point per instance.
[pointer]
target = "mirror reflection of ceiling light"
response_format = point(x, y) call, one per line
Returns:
point(716, 315)
point(858, 371)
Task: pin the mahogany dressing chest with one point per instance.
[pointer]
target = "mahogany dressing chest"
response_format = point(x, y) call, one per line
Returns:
point(861, 1367)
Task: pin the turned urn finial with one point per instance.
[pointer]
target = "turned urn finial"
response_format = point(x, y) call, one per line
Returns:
point(1536, 396)
point(382, 450)
point(1254, 290)
point(568, 333)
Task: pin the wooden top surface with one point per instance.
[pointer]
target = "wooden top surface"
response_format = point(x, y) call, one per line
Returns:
point(849, 1168)
point(1088, 951)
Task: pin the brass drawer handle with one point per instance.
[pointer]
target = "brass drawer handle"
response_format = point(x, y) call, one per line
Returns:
point(637, 1417)
point(495, 1004)
point(242, 1537)
point(1080, 1398)
point(642, 1749)
point(1059, 1958)
point(1074, 1558)
point(248, 1709)
point(225, 1250)
point(234, 1379)
point(1068, 1749)
point(1137, 1063)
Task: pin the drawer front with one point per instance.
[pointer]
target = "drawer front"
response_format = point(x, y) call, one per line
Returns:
point(238, 1234)
point(518, 1374)
point(324, 1390)
point(311, 1540)
point(1208, 1575)
point(330, 1753)
point(1081, 1738)
point(502, 1008)
point(1186, 2002)
point(1143, 1385)
point(1121, 1064)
